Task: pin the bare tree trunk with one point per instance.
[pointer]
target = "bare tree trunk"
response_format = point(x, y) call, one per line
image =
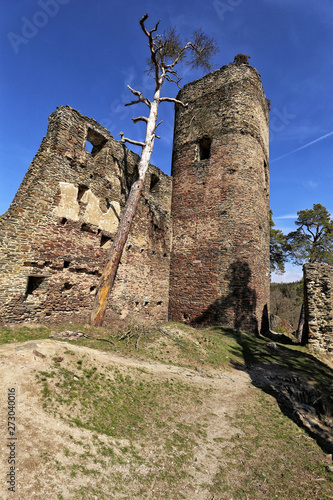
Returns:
point(111, 267)
point(300, 329)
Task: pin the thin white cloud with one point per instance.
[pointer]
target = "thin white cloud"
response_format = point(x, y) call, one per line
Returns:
point(303, 147)
point(289, 216)
point(310, 184)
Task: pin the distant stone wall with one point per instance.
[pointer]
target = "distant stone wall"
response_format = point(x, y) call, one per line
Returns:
point(318, 292)
point(56, 234)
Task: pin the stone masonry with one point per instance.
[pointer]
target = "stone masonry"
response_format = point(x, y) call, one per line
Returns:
point(220, 204)
point(198, 250)
point(60, 225)
point(318, 304)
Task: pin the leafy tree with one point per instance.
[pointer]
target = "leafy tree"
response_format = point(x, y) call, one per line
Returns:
point(166, 51)
point(277, 248)
point(313, 240)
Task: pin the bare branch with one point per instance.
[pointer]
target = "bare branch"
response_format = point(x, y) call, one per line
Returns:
point(140, 98)
point(157, 136)
point(203, 48)
point(171, 99)
point(155, 29)
point(152, 45)
point(140, 119)
point(142, 21)
point(130, 141)
point(173, 80)
point(132, 102)
point(159, 123)
point(178, 56)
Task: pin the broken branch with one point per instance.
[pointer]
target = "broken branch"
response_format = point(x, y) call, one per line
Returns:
point(140, 98)
point(140, 118)
point(130, 141)
point(171, 99)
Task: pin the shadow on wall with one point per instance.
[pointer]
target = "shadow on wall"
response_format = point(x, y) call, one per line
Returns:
point(239, 308)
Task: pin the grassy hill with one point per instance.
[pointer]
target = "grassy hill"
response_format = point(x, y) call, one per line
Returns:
point(167, 412)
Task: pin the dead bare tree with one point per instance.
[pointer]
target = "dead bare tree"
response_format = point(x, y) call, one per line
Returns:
point(166, 51)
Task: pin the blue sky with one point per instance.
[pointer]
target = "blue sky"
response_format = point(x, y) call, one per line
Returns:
point(84, 53)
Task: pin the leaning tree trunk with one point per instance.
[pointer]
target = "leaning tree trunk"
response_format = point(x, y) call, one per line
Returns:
point(111, 267)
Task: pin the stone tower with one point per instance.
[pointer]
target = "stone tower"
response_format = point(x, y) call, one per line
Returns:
point(220, 202)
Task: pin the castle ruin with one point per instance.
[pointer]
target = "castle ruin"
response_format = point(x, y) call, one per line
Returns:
point(198, 250)
point(318, 304)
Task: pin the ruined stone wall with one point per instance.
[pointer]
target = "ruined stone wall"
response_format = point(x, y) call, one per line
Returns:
point(60, 225)
point(220, 203)
point(57, 231)
point(318, 303)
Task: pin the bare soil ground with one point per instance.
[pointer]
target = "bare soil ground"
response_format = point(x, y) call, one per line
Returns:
point(109, 423)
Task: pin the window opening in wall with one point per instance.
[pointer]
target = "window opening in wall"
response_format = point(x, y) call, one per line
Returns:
point(204, 148)
point(154, 180)
point(33, 283)
point(63, 221)
point(82, 189)
point(94, 142)
point(105, 239)
point(87, 228)
point(66, 263)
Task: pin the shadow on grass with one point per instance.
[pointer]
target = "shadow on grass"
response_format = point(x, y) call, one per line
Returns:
point(301, 384)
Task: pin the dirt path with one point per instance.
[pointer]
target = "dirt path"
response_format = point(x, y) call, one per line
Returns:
point(45, 446)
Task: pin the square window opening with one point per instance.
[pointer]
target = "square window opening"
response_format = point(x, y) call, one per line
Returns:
point(105, 239)
point(94, 142)
point(154, 180)
point(82, 189)
point(34, 282)
point(204, 148)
